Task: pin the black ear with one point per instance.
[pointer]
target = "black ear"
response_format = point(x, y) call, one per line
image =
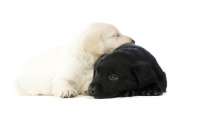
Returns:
point(142, 70)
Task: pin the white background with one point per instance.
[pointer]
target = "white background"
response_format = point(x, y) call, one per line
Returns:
point(169, 29)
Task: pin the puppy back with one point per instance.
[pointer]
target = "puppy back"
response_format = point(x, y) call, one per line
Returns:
point(144, 55)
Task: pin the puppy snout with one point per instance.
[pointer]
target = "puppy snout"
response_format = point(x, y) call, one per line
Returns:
point(94, 90)
point(132, 41)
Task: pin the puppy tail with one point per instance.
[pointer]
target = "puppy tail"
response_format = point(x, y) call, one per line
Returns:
point(18, 89)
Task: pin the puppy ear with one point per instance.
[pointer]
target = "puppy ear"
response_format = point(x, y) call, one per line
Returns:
point(92, 43)
point(142, 70)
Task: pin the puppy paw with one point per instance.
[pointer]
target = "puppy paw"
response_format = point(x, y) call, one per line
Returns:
point(69, 94)
point(151, 91)
point(83, 92)
point(127, 94)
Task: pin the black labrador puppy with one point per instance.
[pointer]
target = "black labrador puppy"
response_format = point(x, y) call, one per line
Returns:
point(127, 71)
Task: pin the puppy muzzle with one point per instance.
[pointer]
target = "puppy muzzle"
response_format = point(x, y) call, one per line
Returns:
point(93, 90)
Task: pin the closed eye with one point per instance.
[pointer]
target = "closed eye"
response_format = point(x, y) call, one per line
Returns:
point(116, 35)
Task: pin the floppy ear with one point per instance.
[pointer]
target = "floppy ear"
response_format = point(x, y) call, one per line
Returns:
point(144, 73)
point(92, 43)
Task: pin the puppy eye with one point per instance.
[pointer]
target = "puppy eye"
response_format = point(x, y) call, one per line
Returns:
point(113, 77)
point(116, 35)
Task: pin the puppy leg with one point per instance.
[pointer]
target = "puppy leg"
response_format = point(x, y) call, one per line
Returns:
point(63, 88)
point(151, 90)
point(84, 88)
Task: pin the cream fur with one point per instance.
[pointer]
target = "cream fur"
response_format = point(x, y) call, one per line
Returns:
point(66, 72)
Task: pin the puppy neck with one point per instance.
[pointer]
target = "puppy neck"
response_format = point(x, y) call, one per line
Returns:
point(84, 56)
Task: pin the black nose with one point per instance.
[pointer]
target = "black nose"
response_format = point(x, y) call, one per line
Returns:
point(93, 90)
point(132, 41)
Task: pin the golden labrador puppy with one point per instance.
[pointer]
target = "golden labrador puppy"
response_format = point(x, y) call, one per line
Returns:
point(66, 72)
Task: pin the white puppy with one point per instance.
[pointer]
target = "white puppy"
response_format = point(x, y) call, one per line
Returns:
point(67, 72)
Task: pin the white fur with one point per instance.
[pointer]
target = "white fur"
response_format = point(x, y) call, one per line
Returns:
point(67, 72)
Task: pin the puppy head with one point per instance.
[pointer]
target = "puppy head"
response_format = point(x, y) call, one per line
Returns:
point(112, 77)
point(100, 38)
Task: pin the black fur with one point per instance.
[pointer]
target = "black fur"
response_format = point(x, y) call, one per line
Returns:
point(127, 71)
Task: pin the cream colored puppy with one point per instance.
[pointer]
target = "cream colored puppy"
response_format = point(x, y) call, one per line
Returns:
point(67, 72)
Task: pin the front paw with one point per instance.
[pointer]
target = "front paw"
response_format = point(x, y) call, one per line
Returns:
point(151, 91)
point(84, 92)
point(69, 94)
point(127, 93)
